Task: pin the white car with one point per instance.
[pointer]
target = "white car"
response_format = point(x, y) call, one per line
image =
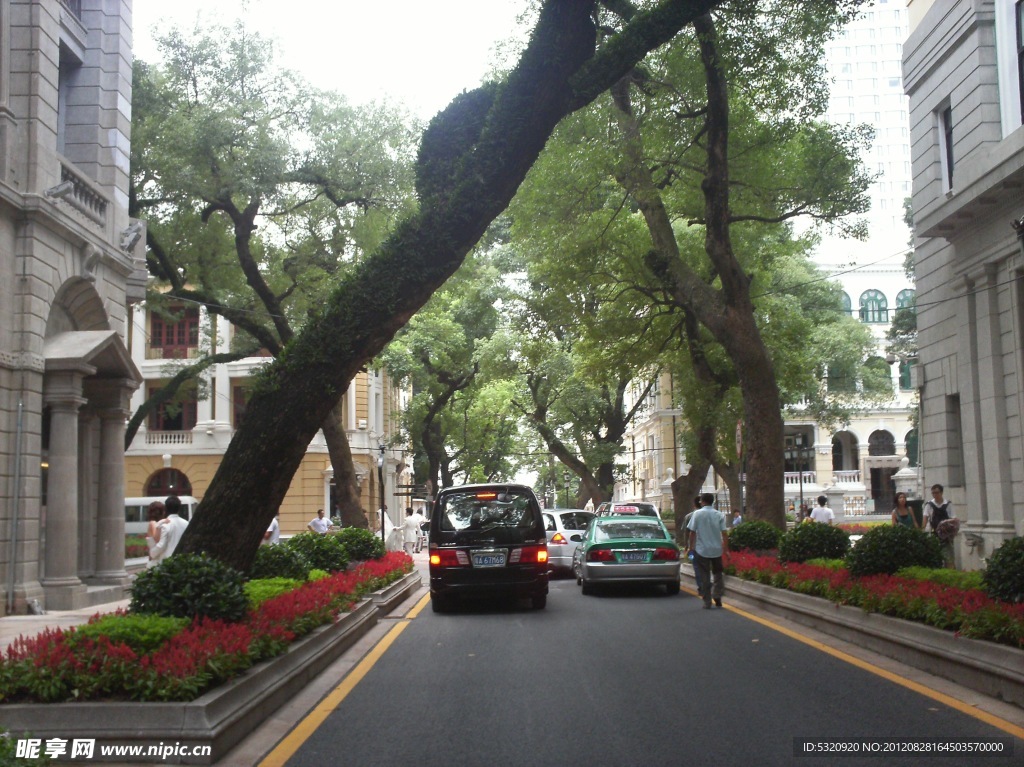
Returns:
point(560, 525)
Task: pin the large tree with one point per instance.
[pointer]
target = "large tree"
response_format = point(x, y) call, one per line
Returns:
point(473, 157)
point(258, 192)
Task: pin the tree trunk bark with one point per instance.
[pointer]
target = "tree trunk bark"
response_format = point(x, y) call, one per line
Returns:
point(346, 485)
point(472, 160)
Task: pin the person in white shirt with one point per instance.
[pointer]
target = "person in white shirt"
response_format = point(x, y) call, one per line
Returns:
point(822, 513)
point(319, 524)
point(937, 510)
point(171, 530)
point(273, 535)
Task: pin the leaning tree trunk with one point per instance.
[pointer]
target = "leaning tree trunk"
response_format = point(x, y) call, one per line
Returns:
point(473, 158)
point(346, 485)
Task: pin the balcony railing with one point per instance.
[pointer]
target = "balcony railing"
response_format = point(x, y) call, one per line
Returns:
point(792, 478)
point(847, 477)
point(173, 352)
point(81, 193)
point(168, 437)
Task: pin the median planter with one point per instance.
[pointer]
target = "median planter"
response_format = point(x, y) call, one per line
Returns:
point(992, 669)
point(218, 719)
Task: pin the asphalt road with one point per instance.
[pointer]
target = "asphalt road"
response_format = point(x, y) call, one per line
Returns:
point(628, 677)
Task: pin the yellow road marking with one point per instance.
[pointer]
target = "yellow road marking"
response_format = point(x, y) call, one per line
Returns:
point(995, 721)
point(291, 743)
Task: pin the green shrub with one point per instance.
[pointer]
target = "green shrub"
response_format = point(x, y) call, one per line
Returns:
point(190, 585)
point(831, 564)
point(813, 540)
point(756, 535)
point(143, 633)
point(360, 544)
point(318, 575)
point(889, 548)
point(1004, 572)
point(259, 591)
point(279, 562)
point(958, 579)
point(324, 552)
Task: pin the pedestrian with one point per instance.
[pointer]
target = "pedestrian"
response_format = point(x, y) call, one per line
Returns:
point(319, 524)
point(156, 514)
point(937, 510)
point(690, 554)
point(171, 530)
point(805, 513)
point(421, 532)
point(273, 535)
point(822, 513)
point(902, 514)
point(708, 541)
point(411, 530)
point(737, 518)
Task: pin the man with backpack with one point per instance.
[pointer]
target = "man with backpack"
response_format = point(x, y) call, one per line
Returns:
point(936, 511)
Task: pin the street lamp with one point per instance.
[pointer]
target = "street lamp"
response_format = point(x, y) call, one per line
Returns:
point(800, 454)
point(380, 482)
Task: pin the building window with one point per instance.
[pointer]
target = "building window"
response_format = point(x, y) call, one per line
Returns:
point(69, 68)
point(168, 482)
point(881, 442)
point(174, 416)
point(946, 146)
point(905, 299)
point(906, 376)
point(844, 297)
point(874, 307)
point(239, 400)
point(911, 440)
point(175, 333)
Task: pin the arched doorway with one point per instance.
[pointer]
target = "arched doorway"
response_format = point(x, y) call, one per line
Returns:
point(881, 444)
point(168, 482)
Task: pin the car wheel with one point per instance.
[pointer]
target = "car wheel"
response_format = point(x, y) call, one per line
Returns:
point(539, 601)
point(672, 588)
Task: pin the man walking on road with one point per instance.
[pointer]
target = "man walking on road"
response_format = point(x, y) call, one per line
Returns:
point(708, 541)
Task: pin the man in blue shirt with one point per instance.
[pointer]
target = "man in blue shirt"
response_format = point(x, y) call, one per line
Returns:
point(708, 541)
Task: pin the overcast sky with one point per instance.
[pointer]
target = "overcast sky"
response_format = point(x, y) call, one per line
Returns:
point(417, 52)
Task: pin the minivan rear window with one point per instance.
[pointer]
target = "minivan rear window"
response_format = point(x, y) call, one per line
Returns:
point(504, 515)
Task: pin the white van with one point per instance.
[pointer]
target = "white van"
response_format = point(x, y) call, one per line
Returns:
point(136, 511)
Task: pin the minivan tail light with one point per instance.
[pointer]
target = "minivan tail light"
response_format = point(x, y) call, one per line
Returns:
point(448, 558)
point(528, 555)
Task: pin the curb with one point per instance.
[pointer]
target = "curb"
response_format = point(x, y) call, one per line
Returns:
point(992, 669)
point(221, 717)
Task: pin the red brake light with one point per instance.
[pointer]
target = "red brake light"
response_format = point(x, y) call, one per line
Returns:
point(448, 558)
point(600, 555)
point(486, 496)
point(666, 555)
point(557, 540)
point(529, 554)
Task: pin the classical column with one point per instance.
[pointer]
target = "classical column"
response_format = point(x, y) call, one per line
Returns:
point(60, 582)
point(110, 505)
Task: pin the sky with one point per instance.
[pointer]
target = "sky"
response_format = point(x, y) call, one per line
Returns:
point(418, 53)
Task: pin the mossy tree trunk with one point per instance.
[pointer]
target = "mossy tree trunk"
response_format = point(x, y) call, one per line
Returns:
point(474, 156)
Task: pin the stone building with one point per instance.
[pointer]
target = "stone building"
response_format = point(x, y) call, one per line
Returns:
point(68, 269)
point(179, 447)
point(962, 71)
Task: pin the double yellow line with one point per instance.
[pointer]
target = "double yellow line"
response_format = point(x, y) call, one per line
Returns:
point(291, 743)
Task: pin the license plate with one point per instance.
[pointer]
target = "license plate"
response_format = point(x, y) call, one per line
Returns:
point(633, 556)
point(488, 560)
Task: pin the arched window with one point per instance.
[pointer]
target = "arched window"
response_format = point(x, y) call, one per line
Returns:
point(881, 442)
point(905, 299)
point(874, 307)
point(168, 482)
point(847, 304)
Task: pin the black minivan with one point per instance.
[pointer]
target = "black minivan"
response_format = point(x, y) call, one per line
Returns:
point(487, 541)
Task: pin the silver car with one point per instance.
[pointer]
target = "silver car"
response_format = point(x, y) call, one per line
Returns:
point(560, 525)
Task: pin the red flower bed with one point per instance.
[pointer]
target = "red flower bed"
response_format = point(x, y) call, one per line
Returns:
point(968, 612)
point(60, 666)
